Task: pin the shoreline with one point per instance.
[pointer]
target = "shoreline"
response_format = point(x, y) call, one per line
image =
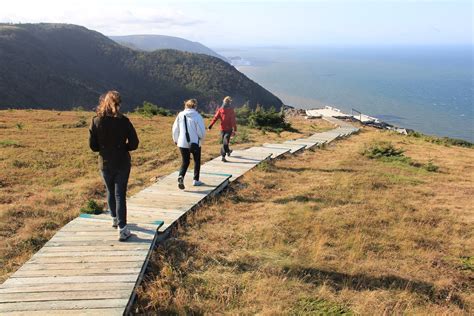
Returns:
point(366, 120)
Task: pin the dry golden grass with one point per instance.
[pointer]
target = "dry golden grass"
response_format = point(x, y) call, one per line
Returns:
point(327, 232)
point(48, 172)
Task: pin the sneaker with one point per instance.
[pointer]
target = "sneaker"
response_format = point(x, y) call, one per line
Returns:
point(197, 183)
point(230, 152)
point(114, 222)
point(181, 183)
point(223, 159)
point(124, 234)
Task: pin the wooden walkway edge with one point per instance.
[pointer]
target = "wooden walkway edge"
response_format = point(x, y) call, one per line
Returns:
point(84, 270)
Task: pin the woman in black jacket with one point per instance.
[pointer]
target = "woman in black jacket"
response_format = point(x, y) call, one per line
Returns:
point(113, 136)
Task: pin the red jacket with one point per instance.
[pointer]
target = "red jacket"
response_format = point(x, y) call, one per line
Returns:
point(227, 117)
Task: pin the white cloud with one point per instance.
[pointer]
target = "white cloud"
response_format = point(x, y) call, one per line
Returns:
point(109, 17)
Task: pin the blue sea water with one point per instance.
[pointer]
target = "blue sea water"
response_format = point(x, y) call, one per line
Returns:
point(429, 89)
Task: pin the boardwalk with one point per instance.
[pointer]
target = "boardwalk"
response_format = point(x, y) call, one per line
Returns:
point(84, 270)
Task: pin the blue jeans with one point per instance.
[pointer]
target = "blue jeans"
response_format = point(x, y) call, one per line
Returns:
point(116, 181)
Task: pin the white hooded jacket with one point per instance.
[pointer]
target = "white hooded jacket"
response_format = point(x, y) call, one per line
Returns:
point(196, 128)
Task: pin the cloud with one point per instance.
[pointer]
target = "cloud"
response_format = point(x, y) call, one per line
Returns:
point(105, 16)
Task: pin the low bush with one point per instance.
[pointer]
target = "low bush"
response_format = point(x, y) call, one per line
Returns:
point(385, 151)
point(261, 118)
point(10, 143)
point(92, 207)
point(447, 141)
point(149, 109)
point(241, 137)
point(382, 150)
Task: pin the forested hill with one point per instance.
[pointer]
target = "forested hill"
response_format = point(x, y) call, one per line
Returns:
point(154, 42)
point(62, 66)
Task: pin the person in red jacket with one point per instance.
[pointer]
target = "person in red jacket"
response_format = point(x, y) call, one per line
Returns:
point(226, 115)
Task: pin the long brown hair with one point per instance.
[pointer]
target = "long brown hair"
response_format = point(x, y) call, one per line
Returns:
point(109, 104)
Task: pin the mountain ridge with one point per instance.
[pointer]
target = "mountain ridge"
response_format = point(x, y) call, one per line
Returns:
point(151, 42)
point(61, 66)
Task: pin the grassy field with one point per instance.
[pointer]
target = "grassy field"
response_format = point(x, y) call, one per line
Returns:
point(48, 171)
point(329, 232)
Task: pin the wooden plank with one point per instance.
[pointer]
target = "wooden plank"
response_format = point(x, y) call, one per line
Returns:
point(16, 282)
point(275, 152)
point(293, 148)
point(78, 266)
point(86, 259)
point(94, 248)
point(74, 272)
point(61, 312)
point(96, 253)
point(63, 305)
point(63, 296)
point(71, 287)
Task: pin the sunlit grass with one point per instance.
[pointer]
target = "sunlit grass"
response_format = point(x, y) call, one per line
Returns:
point(328, 232)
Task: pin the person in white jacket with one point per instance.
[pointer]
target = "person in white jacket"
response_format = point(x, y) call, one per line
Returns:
point(188, 134)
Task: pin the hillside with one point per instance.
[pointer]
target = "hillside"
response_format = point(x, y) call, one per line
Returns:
point(328, 231)
point(155, 42)
point(62, 66)
point(49, 172)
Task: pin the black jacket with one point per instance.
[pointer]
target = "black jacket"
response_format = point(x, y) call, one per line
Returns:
point(113, 138)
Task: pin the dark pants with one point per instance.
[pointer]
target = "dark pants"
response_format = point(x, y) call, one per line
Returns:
point(225, 142)
point(186, 157)
point(116, 181)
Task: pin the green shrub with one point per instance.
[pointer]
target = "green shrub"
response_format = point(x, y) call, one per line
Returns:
point(20, 164)
point(467, 263)
point(241, 137)
point(242, 114)
point(266, 120)
point(379, 150)
point(266, 166)
point(92, 207)
point(79, 124)
point(447, 141)
point(149, 109)
point(385, 151)
point(315, 306)
point(9, 143)
point(19, 126)
point(431, 167)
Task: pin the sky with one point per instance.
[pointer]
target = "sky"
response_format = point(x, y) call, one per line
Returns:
point(233, 23)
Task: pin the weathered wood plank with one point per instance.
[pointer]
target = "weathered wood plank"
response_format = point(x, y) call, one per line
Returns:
point(95, 253)
point(74, 272)
point(64, 305)
point(69, 312)
point(293, 148)
point(15, 282)
point(71, 287)
point(63, 296)
point(30, 266)
point(86, 259)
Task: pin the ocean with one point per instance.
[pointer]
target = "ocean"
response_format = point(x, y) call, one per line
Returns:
point(428, 89)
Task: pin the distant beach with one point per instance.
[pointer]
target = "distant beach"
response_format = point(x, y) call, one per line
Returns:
point(429, 89)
